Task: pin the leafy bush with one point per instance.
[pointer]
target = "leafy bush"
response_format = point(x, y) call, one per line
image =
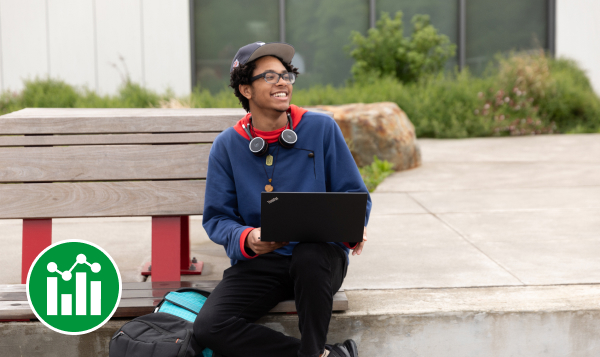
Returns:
point(49, 93)
point(571, 102)
point(512, 105)
point(524, 94)
point(53, 93)
point(534, 94)
point(386, 52)
point(375, 173)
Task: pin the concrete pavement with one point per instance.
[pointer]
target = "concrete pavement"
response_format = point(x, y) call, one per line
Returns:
point(489, 249)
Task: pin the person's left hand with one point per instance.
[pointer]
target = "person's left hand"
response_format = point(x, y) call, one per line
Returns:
point(358, 249)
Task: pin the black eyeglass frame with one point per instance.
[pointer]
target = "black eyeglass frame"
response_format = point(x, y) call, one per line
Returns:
point(264, 75)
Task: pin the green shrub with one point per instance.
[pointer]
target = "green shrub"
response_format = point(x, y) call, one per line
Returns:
point(534, 94)
point(523, 94)
point(386, 52)
point(133, 95)
point(572, 103)
point(375, 173)
point(48, 93)
point(53, 93)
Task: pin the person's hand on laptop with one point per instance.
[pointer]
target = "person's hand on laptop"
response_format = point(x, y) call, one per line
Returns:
point(358, 249)
point(259, 247)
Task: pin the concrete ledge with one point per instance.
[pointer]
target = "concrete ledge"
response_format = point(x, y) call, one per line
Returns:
point(498, 321)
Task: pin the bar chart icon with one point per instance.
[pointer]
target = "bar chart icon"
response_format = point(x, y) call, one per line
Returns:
point(74, 287)
point(81, 290)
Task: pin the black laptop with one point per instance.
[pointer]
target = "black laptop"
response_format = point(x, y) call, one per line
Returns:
point(313, 216)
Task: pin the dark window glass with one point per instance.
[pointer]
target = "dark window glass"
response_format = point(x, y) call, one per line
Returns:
point(320, 31)
point(498, 26)
point(442, 13)
point(222, 27)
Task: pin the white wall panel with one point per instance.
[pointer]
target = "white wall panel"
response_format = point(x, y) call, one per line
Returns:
point(578, 35)
point(166, 43)
point(24, 47)
point(72, 41)
point(118, 29)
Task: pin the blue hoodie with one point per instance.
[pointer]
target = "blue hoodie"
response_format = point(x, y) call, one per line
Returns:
point(236, 178)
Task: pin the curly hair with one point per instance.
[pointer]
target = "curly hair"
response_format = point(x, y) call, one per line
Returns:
point(243, 73)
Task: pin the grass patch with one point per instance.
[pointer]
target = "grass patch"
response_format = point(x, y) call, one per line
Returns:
point(375, 173)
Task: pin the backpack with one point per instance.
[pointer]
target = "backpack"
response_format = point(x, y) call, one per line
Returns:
point(168, 332)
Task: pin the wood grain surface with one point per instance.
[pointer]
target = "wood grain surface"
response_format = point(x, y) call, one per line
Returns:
point(102, 199)
point(104, 162)
point(136, 299)
point(108, 139)
point(111, 120)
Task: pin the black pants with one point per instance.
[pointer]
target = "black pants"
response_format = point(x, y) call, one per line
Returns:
point(250, 289)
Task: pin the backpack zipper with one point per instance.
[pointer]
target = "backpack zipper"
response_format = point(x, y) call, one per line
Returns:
point(169, 339)
point(121, 333)
point(185, 344)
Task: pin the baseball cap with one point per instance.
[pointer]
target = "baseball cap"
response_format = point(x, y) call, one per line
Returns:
point(259, 49)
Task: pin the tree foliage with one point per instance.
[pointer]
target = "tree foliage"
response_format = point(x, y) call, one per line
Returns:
point(386, 52)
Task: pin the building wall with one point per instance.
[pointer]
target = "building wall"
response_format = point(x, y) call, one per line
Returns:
point(96, 43)
point(578, 35)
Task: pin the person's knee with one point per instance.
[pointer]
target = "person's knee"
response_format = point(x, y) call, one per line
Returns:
point(202, 326)
point(209, 326)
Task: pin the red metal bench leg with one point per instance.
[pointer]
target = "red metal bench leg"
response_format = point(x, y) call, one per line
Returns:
point(186, 266)
point(166, 248)
point(37, 235)
point(185, 243)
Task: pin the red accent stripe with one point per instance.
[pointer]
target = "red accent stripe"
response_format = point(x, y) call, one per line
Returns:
point(350, 246)
point(243, 237)
point(270, 136)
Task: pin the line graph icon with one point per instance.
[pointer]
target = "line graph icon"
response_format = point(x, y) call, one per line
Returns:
point(74, 287)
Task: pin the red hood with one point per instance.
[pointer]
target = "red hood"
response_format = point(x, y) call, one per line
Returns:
point(270, 136)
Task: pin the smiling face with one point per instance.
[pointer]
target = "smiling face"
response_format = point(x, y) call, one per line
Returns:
point(268, 99)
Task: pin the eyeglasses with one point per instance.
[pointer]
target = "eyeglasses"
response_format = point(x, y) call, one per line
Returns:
point(273, 78)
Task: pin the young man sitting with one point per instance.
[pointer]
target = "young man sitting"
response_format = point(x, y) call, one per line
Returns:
point(265, 273)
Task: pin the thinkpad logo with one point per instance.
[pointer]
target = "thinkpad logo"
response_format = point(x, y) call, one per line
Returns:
point(272, 200)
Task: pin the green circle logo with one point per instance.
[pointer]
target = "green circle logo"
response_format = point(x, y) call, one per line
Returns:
point(74, 287)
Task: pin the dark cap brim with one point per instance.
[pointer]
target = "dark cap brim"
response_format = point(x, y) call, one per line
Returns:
point(279, 49)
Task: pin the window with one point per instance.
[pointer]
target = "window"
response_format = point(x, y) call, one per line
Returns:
point(222, 27)
point(320, 31)
point(501, 26)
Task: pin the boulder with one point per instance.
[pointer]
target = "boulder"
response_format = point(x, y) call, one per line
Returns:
point(381, 129)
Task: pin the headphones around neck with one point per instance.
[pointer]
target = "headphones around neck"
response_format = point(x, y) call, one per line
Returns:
point(258, 146)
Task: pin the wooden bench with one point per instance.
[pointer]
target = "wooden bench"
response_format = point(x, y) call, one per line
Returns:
point(69, 163)
point(136, 299)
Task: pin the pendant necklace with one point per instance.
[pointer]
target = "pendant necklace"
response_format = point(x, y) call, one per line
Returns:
point(269, 162)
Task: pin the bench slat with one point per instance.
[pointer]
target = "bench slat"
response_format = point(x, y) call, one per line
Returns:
point(102, 199)
point(169, 285)
point(108, 139)
point(103, 163)
point(105, 120)
point(140, 306)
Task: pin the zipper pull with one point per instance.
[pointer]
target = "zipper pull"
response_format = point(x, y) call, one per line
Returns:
point(117, 335)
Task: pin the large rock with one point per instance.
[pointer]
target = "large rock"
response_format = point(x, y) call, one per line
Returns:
point(381, 129)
